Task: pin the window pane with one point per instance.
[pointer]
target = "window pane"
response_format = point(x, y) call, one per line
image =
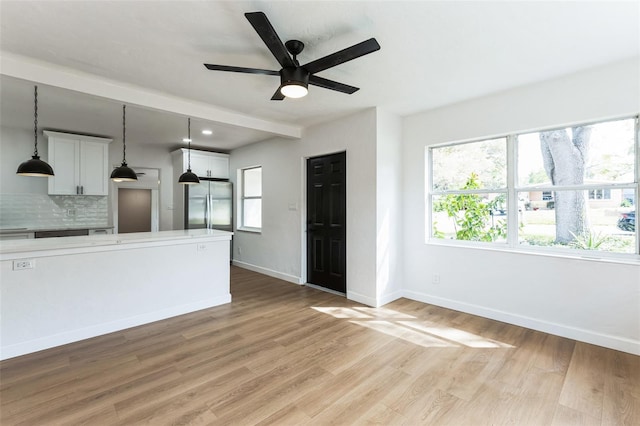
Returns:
point(453, 166)
point(572, 219)
point(470, 217)
point(253, 182)
point(252, 213)
point(594, 154)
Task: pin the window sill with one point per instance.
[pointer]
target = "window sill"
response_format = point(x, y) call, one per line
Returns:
point(625, 259)
point(251, 230)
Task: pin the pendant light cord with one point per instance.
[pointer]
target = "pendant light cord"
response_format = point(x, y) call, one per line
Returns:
point(189, 137)
point(35, 120)
point(124, 135)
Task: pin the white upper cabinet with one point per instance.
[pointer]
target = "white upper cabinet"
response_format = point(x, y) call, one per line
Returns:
point(80, 164)
point(205, 164)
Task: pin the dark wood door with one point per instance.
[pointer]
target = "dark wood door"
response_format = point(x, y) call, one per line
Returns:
point(326, 221)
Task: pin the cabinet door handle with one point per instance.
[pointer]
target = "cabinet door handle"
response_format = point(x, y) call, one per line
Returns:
point(82, 190)
point(77, 190)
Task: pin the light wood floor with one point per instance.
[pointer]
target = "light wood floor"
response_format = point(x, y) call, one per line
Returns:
point(287, 355)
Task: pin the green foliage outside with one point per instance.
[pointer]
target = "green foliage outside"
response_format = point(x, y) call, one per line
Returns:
point(588, 241)
point(471, 215)
point(612, 243)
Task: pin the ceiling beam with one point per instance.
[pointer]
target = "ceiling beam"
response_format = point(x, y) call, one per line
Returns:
point(54, 75)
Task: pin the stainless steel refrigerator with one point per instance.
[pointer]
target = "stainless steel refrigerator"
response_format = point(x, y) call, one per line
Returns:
point(209, 204)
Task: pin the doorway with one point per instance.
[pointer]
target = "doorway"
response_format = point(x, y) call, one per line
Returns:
point(135, 205)
point(326, 222)
point(134, 210)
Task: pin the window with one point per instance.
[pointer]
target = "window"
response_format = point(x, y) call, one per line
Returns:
point(251, 198)
point(600, 194)
point(562, 189)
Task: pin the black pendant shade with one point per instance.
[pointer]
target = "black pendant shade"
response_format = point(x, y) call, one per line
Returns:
point(188, 177)
point(35, 166)
point(124, 173)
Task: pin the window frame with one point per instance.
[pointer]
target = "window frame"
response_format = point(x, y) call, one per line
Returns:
point(512, 189)
point(242, 198)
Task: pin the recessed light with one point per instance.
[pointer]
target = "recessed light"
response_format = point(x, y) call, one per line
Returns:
point(207, 132)
point(186, 140)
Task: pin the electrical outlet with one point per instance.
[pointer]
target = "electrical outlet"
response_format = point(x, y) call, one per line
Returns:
point(239, 250)
point(436, 279)
point(19, 265)
point(202, 247)
point(72, 212)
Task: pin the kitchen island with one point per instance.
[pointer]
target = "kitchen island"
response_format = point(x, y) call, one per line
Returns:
point(55, 291)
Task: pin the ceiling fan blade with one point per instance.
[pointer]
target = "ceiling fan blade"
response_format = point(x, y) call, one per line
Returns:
point(342, 56)
point(240, 69)
point(268, 34)
point(278, 96)
point(333, 85)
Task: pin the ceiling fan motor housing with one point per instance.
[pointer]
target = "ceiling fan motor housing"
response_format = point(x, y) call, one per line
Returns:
point(294, 75)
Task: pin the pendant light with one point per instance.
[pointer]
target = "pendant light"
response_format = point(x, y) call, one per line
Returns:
point(35, 166)
point(124, 173)
point(188, 177)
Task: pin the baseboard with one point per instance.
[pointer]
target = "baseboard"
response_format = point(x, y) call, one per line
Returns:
point(582, 335)
point(370, 301)
point(267, 271)
point(388, 298)
point(361, 298)
point(71, 336)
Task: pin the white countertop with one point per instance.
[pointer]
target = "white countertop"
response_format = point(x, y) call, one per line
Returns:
point(14, 249)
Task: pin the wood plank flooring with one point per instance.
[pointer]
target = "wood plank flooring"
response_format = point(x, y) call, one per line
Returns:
point(281, 354)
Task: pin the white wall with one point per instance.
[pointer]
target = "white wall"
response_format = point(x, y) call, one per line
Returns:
point(372, 140)
point(276, 250)
point(389, 272)
point(592, 301)
point(279, 249)
point(356, 135)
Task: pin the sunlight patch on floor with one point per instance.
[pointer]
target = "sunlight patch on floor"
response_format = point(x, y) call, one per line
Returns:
point(383, 312)
point(339, 312)
point(404, 333)
point(406, 327)
point(463, 337)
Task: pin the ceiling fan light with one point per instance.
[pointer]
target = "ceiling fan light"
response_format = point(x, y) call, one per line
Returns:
point(188, 178)
point(294, 82)
point(123, 174)
point(293, 90)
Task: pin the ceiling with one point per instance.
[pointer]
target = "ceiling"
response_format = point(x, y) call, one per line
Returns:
point(432, 54)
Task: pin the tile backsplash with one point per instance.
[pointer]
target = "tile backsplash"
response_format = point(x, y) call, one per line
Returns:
point(40, 211)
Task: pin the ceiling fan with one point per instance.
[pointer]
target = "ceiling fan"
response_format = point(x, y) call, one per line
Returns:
point(294, 78)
